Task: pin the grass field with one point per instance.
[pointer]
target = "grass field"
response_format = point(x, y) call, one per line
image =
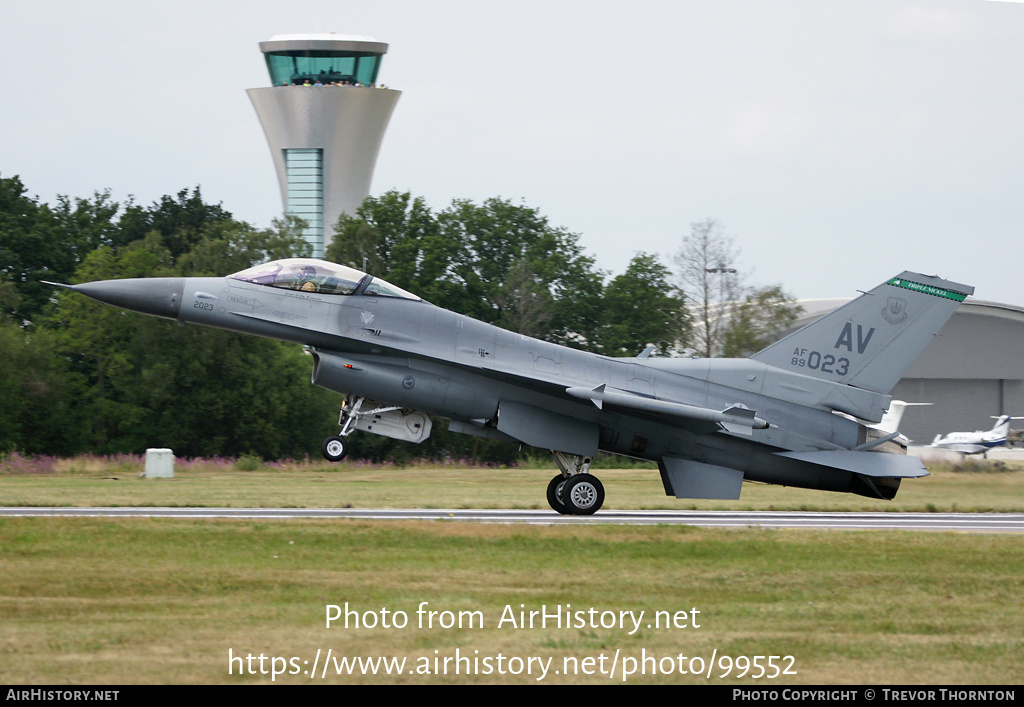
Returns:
point(160, 601)
point(118, 482)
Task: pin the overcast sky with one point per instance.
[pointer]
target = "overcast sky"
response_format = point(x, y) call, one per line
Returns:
point(839, 142)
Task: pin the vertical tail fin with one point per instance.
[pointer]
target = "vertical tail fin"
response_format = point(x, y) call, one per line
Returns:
point(1001, 429)
point(872, 341)
point(1002, 426)
point(894, 415)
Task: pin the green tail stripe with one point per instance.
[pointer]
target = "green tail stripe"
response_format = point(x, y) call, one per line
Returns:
point(927, 289)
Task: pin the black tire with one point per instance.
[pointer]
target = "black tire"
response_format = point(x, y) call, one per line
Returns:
point(583, 495)
point(334, 449)
point(555, 495)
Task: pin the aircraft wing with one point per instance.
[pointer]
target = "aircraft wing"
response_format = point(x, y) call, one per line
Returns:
point(698, 420)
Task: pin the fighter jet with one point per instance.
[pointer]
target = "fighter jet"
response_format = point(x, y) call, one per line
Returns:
point(977, 442)
point(802, 412)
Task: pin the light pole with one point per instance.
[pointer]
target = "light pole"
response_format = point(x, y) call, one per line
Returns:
point(711, 330)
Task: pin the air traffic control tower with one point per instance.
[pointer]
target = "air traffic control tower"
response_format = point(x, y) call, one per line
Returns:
point(324, 118)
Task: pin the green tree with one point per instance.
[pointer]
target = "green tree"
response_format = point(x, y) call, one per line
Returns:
point(498, 262)
point(397, 237)
point(39, 415)
point(225, 247)
point(30, 251)
point(208, 392)
point(86, 224)
point(181, 221)
point(97, 341)
point(755, 321)
point(517, 271)
point(641, 307)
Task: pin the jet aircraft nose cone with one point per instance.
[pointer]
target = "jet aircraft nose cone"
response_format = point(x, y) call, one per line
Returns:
point(159, 296)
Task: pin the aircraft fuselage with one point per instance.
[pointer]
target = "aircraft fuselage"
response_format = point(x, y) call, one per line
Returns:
point(709, 423)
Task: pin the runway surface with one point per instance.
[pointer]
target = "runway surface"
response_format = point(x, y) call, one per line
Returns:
point(944, 522)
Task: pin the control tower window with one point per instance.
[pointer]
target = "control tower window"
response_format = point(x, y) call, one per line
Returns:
point(297, 68)
point(304, 170)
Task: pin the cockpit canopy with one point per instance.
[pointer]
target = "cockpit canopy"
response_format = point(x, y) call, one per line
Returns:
point(321, 277)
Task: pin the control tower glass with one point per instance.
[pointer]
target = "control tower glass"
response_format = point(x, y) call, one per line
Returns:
point(294, 68)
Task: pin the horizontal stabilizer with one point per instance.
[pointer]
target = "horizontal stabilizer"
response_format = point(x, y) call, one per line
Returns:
point(876, 464)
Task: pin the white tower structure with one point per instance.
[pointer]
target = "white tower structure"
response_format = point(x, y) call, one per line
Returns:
point(324, 117)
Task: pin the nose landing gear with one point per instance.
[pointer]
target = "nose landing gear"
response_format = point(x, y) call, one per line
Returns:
point(392, 421)
point(335, 448)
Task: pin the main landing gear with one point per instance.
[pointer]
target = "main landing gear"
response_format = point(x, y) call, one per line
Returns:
point(575, 491)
